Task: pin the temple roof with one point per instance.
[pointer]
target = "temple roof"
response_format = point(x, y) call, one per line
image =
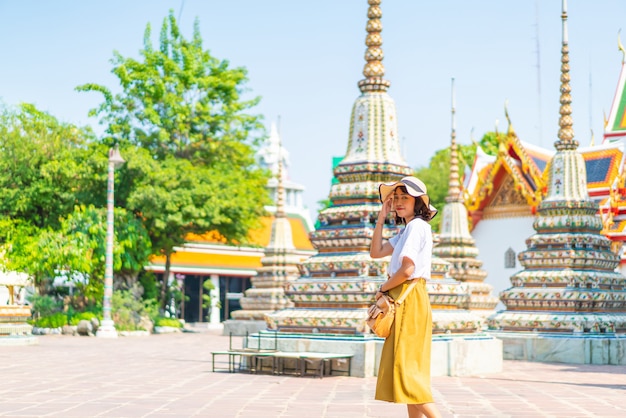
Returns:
point(209, 253)
point(527, 165)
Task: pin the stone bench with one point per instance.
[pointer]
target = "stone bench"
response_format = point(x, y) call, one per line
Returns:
point(252, 360)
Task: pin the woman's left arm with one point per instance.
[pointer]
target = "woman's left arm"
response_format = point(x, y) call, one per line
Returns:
point(403, 274)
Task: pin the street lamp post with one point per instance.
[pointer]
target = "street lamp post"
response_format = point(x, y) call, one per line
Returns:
point(107, 328)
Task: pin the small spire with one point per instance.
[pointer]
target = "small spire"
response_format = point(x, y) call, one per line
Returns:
point(280, 188)
point(566, 133)
point(454, 187)
point(374, 69)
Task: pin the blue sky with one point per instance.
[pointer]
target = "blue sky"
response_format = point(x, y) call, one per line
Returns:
point(305, 58)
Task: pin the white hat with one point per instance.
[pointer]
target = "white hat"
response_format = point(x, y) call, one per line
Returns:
point(414, 186)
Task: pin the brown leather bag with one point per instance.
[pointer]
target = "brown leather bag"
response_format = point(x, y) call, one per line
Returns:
point(380, 315)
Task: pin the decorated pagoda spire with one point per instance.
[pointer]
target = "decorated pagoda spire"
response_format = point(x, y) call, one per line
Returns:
point(374, 70)
point(280, 190)
point(575, 187)
point(566, 132)
point(569, 282)
point(456, 245)
point(454, 186)
point(374, 139)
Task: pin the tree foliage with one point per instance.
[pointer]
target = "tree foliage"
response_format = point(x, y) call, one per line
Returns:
point(180, 101)
point(39, 165)
point(189, 142)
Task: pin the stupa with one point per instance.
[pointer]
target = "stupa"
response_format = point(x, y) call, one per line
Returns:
point(279, 266)
point(455, 243)
point(568, 304)
point(337, 285)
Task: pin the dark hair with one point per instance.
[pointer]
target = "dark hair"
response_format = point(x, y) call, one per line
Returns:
point(420, 209)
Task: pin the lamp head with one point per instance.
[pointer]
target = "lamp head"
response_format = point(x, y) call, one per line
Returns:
point(115, 157)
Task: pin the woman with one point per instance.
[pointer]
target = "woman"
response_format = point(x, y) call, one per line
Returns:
point(404, 373)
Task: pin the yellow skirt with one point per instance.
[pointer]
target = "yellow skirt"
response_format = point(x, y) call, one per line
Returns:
point(404, 372)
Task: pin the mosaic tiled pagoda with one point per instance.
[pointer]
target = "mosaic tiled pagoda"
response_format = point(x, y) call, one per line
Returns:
point(569, 283)
point(279, 266)
point(455, 244)
point(338, 284)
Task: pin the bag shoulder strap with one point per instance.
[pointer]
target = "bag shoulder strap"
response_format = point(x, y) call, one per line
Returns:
point(407, 291)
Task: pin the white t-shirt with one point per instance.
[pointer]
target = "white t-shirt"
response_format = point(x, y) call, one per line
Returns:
point(415, 241)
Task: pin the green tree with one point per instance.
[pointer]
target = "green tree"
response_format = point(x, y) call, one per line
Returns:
point(490, 142)
point(175, 198)
point(188, 142)
point(39, 165)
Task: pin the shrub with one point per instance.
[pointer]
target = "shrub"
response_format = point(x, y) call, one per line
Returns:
point(44, 305)
point(128, 309)
point(77, 317)
point(56, 320)
point(168, 322)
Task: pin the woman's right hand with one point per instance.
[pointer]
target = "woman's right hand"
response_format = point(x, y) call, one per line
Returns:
point(385, 209)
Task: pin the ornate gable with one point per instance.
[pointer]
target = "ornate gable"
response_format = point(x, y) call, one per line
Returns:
point(508, 201)
point(513, 162)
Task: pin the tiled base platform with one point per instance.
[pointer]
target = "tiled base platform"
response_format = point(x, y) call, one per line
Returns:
point(240, 327)
point(564, 348)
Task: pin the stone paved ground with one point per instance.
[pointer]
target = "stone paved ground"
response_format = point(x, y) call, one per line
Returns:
point(170, 376)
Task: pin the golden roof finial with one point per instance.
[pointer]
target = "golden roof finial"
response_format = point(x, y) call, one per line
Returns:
point(592, 143)
point(374, 69)
point(566, 132)
point(508, 118)
point(454, 186)
point(620, 46)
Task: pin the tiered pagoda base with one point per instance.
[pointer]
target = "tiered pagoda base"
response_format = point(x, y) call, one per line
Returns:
point(336, 305)
point(339, 306)
point(456, 355)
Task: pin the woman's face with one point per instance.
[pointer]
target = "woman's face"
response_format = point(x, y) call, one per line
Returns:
point(403, 204)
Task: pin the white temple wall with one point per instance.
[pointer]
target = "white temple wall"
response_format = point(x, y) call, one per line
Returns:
point(493, 238)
